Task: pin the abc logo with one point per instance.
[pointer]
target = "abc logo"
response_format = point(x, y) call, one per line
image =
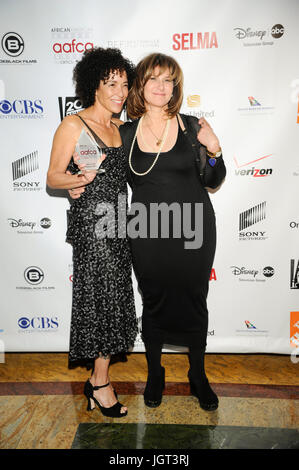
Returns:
point(268, 271)
point(33, 275)
point(45, 223)
point(277, 31)
point(12, 44)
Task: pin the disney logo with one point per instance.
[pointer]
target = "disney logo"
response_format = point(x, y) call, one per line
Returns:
point(239, 271)
point(247, 33)
point(20, 223)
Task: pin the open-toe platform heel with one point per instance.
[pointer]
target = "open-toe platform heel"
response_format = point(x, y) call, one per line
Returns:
point(111, 412)
point(154, 389)
point(201, 389)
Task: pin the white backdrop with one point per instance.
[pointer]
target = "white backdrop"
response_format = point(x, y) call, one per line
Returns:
point(240, 61)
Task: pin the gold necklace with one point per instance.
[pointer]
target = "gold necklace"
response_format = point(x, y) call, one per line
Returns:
point(158, 154)
point(159, 140)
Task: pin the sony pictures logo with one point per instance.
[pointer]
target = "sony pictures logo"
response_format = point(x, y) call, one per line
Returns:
point(250, 217)
point(13, 45)
point(22, 167)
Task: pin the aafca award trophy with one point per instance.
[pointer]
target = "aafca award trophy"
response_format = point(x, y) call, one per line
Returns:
point(89, 153)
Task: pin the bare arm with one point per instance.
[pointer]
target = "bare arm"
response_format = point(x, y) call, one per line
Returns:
point(63, 147)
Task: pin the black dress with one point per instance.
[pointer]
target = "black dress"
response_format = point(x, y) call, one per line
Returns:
point(103, 318)
point(173, 280)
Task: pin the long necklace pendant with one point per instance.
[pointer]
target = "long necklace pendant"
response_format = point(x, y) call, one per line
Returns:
point(158, 142)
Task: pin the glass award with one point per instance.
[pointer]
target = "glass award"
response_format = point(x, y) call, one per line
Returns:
point(89, 153)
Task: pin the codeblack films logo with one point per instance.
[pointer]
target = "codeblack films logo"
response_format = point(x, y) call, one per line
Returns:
point(21, 109)
point(68, 44)
point(245, 274)
point(38, 324)
point(254, 215)
point(294, 274)
point(13, 47)
point(69, 105)
point(259, 37)
point(23, 170)
point(25, 226)
point(34, 278)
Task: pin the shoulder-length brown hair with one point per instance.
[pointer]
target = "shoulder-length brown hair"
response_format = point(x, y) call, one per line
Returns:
point(144, 70)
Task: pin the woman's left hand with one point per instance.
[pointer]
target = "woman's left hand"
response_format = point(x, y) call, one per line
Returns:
point(207, 137)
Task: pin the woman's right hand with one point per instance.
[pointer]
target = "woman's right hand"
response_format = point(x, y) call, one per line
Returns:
point(76, 192)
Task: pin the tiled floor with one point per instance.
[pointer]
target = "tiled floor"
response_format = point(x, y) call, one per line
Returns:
point(42, 406)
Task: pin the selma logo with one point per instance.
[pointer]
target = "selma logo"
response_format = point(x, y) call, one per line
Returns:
point(191, 41)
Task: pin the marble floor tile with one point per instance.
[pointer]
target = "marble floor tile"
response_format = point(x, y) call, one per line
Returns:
point(180, 436)
point(51, 422)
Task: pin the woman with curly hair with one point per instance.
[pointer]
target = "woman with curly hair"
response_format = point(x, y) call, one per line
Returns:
point(103, 319)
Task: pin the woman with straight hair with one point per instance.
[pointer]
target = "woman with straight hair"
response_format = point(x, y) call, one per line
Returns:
point(171, 161)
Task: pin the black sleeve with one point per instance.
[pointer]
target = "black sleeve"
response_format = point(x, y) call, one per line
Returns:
point(214, 175)
point(211, 176)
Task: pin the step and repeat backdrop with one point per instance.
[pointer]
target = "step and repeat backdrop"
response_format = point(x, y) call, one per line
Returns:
point(240, 63)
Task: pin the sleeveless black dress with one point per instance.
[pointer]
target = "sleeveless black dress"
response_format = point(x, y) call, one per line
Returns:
point(173, 280)
point(103, 318)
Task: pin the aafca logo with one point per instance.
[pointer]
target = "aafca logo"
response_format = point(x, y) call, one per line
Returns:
point(68, 106)
point(68, 44)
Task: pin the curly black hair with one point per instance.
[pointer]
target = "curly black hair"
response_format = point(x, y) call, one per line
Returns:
point(95, 65)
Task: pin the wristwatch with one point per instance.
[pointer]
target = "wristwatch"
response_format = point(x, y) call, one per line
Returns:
point(216, 154)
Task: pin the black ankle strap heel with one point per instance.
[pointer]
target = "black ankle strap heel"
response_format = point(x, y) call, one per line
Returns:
point(111, 412)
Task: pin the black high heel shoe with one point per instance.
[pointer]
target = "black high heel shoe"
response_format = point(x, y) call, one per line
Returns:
point(154, 389)
point(112, 411)
point(201, 389)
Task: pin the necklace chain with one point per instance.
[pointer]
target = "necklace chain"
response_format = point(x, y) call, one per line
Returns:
point(164, 137)
point(159, 140)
